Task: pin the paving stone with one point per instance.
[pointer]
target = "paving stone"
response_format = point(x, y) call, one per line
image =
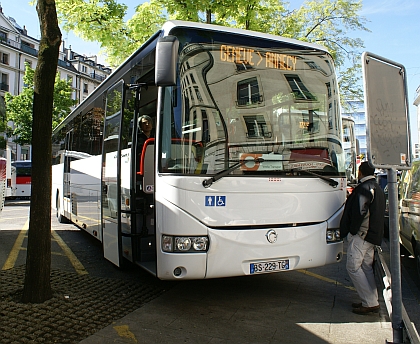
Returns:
point(80, 306)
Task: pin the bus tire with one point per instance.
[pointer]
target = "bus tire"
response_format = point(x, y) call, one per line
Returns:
point(417, 257)
point(60, 217)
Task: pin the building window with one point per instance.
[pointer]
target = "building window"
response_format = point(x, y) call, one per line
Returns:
point(3, 36)
point(84, 69)
point(314, 66)
point(29, 62)
point(256, 126)
point(248, 92)
point(299, 90)
point(243, 66)
point(85, 88)
point(27, 44)
point(328, 89)
point(192, 78)
point(4, 85)
point(198, 94)
point(70, 79)
point(4, 58)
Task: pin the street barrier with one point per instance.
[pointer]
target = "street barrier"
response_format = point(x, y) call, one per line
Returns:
point(383, 276)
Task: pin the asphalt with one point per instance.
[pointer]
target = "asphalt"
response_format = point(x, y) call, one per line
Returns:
point(280, 308)
point(290, 307)
point(251, 310)
point(260, 309)
point(245, 316)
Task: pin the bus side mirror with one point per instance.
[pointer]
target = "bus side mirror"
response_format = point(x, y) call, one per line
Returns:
point(166, 61)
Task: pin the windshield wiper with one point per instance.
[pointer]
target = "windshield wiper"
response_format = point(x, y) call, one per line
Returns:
point(207, 182)
point(224, 173)
point(330, 181)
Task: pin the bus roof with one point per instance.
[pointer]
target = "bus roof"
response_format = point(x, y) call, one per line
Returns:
point(169, 25)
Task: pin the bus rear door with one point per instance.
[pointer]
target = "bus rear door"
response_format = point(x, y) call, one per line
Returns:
point(111, 175)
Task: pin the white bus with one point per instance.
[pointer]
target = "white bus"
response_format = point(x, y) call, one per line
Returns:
point(245, 174)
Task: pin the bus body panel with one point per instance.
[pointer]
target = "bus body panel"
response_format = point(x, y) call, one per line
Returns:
point(57, 187)
point(304, 247)
point(21, 179)
point(85, 193)
point(83, 205)
point(238, 231)
point(287, 201)
point(193, 265)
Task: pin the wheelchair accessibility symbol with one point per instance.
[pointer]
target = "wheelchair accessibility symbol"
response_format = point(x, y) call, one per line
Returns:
point(215, 201)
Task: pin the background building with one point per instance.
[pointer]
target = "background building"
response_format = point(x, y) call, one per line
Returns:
point(18, 48)
point(356, 110)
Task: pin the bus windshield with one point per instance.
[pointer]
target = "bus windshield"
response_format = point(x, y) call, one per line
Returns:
point(270, 106)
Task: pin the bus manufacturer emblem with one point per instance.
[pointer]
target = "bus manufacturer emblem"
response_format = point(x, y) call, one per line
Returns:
point(271, 236)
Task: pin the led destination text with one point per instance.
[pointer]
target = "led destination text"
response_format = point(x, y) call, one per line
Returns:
point(244, 55)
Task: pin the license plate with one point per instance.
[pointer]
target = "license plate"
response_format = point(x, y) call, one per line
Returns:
point(277, 265)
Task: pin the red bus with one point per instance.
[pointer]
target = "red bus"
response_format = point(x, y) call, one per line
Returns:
point(2, 182)
point(21, 179)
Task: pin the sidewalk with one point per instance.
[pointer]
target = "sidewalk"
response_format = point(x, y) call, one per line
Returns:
point(291, 307)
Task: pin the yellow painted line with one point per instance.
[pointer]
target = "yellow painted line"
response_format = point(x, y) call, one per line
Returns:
point(12, 218)
point(14, 253)
point(325, 279)
point(58, 254)
point(124, 332)
point(80, 269)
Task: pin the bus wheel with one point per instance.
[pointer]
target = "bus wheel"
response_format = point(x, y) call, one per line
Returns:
point(417, 256)
point(60, 217)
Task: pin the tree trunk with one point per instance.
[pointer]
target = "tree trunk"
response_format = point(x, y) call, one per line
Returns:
point(37, 286)
point(208, 16)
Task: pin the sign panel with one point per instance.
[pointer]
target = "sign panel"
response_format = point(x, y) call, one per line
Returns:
point(387, 118)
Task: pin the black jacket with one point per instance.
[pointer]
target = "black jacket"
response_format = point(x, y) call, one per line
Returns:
point(368, 195)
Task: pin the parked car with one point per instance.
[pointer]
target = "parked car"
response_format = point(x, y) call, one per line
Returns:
point(409, 218)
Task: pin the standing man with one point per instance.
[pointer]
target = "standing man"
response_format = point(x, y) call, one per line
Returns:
point(145, 131)
point(363, 224)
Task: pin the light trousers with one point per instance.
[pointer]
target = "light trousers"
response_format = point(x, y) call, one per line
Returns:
point(360, 269)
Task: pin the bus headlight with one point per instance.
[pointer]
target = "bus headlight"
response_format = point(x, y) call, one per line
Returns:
point(180, 244)
point(167, 245)
point(183, 244)
point(200, 243)
point(333, 235)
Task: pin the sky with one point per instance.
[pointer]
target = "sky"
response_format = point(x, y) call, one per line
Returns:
point(394, 26)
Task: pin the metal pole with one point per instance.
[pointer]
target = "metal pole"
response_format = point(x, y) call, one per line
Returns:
point(396, 317)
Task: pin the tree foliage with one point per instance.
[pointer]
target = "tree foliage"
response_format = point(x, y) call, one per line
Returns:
point(19, 108)
point(326, 22)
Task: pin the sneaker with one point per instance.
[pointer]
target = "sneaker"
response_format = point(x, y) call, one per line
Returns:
point(366, 310)
point(356, 305)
